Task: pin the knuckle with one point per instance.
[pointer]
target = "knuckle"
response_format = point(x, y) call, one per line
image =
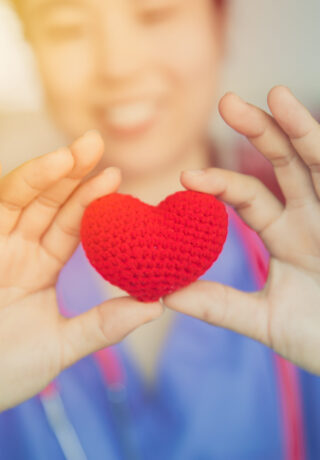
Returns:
point(284, 160)
point(69, 230)
point(101, 330)
point(205, 301)
point(206, 315)
point(83, 194)
point(9, 206)
point(27, 182)
point(53, 255)
point(48, 202)
point(215, 304)
point(315, 168)
point(107, 330)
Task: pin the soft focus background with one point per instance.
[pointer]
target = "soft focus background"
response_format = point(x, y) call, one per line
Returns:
point(270, 42)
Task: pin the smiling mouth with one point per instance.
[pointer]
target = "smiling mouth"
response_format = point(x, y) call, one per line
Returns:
point(128, 119)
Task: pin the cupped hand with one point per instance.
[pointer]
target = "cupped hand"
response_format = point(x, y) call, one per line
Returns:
point(285, 314)
point(41, 207)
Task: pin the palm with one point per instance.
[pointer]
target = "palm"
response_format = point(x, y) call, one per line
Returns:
point(285, 314)
point(25, 268)
point(41, 206)
point(30, 334)
point(292, 291)
point(29, 314)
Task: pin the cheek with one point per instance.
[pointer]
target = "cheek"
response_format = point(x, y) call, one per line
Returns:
point(66, 71)
point(190, 52)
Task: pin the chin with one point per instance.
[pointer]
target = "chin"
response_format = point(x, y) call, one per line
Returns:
point(139, 165)
point(139, 157)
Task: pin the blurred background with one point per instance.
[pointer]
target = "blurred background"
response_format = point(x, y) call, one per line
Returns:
point(256, 61)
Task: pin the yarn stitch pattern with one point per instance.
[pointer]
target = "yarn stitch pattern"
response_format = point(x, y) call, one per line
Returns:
point(150, 251)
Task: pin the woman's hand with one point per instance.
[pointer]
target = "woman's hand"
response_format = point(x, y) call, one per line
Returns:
point(41, 206)
point(285, 314)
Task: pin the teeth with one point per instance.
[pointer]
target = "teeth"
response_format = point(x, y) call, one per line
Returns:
point(130, 115)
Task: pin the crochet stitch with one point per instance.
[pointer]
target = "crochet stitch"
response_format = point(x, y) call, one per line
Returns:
point(151, 251)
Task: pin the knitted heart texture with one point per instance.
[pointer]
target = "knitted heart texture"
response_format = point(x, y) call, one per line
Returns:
point(151, 251)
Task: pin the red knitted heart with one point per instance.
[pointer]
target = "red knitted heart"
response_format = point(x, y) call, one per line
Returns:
point(151, 251)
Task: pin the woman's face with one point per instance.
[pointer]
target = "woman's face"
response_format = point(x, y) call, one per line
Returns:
point(144, 72)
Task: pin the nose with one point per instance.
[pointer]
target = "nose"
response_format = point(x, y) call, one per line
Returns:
point(121, 48)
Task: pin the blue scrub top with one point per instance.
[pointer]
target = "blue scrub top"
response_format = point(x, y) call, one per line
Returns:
point(216, 394)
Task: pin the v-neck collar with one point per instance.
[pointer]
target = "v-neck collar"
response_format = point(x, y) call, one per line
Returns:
point(88, 294)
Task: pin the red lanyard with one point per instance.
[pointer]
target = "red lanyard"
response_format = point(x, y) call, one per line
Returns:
point(287, 376)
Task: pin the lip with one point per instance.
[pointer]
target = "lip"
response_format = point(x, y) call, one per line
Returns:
point(127, 128)
point(102, 99)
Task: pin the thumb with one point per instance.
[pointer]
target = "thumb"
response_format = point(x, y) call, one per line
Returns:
point(102, 326)
point(223, 306)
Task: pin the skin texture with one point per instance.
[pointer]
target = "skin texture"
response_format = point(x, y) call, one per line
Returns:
point(86, 64)
point(83, 56)
point(41, 206)
point(112, 53)
point(285, 315)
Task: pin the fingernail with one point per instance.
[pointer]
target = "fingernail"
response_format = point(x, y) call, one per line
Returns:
point(194, 172)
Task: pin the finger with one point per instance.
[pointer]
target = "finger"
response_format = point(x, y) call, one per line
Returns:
point(23, 184)
point(258, 207)
point(223, 306)
point(267, 136)
point(302, 129)
point(37, 217)
point(104, 325)
point(63, 236)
